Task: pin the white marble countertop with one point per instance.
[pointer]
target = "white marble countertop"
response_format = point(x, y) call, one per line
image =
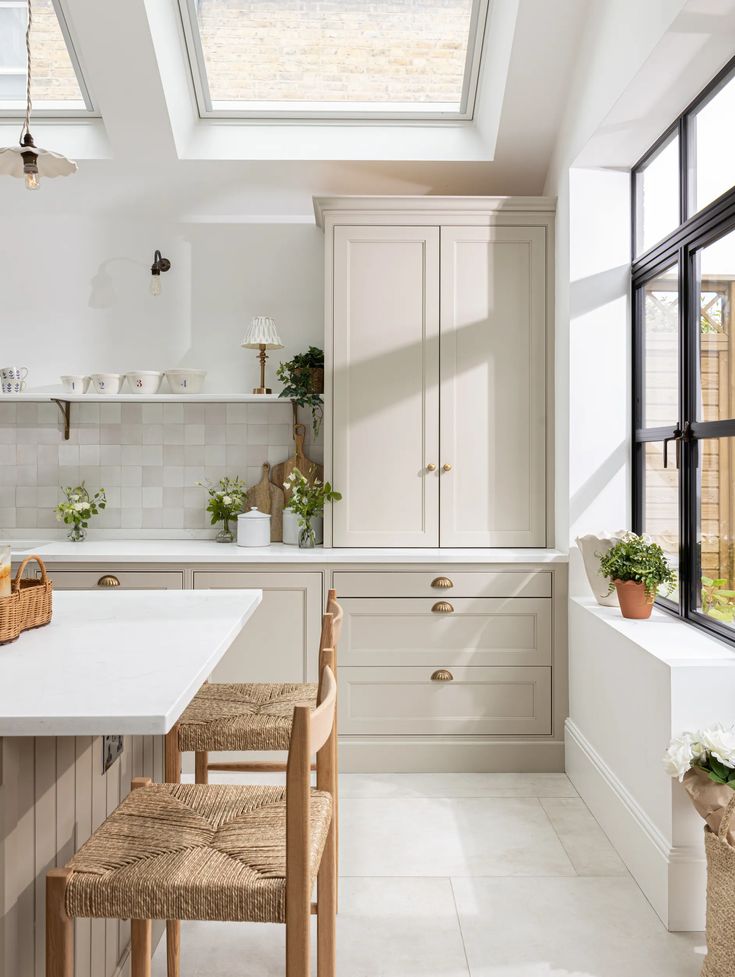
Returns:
point(181, 551)
point(118, 663)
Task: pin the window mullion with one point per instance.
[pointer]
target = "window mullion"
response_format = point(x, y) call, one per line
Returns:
point(689, 486)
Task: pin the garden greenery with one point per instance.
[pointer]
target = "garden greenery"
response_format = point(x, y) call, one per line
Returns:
point(296, 377)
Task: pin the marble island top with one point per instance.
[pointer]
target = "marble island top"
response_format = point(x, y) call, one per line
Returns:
point(117, 663)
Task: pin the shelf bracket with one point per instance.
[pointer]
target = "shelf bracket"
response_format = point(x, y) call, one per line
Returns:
point(65, 408)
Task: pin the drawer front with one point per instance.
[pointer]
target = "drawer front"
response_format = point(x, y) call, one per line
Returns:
point(405, 701)
point(117, 579)
point(428, 583)
point(477, 631)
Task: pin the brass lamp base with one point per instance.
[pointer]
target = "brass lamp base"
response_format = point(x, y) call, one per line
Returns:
point(262, 389)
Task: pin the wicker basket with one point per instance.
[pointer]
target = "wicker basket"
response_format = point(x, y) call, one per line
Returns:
point(720, 959)
point(29, 605)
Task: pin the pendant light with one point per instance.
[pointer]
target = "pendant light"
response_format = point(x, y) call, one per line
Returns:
point(26, 159)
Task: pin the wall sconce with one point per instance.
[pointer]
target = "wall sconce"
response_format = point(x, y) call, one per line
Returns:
point(159, 264)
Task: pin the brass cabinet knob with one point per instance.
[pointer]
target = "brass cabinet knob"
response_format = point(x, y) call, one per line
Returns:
point(446, 468)
point(442, 607)
point(430, 467)
point(442, 583)
point(442, 675)
point(108, 580)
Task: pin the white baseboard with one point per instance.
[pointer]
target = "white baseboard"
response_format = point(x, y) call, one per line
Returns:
point(673, 879)
point(385, 754)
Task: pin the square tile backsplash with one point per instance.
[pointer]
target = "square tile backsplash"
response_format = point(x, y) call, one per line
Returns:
point(148, 457)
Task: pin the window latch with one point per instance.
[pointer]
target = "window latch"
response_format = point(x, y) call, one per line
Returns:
point(678, 437)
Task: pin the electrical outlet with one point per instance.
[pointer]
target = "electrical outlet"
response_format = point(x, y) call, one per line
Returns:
point(112, 747)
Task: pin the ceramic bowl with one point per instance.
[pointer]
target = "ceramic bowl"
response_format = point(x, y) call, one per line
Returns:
point(75, 383)
point(107, 383)
point(144, 381)
point(185, 381)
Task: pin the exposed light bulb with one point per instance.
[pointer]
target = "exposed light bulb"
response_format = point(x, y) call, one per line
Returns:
point(155, 284)
point(32, 181)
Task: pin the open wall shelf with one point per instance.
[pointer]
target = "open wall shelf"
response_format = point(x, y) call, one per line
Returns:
point(93, 398)
point(64, 401)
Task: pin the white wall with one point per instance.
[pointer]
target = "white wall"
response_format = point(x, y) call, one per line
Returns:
point(639, 65)
point(75, 296)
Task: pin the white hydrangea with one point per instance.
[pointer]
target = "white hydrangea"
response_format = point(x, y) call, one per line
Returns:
point(81, 506)
point(227, 500)
point(719, 740)
point(682, 751)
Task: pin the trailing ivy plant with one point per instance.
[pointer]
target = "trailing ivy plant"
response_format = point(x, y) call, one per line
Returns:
point(641, 560)
point(298, 383)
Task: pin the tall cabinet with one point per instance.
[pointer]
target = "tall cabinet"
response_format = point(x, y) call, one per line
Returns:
point(437, 328)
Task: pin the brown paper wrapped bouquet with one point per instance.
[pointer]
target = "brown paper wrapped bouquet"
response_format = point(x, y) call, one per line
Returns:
point(704, 763)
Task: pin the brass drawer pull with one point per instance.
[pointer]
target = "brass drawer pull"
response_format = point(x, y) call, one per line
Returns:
point(443, 583)
point(442, 607)
point(108, 580)
point(442, 675)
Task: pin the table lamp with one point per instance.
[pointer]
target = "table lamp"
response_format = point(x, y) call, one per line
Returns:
point(262, 335)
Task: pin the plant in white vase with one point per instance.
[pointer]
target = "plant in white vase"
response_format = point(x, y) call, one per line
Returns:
point(227, 499)
point(307, 501)
point(78, 508)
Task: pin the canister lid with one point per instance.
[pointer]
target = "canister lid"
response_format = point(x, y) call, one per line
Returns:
point(254, 514)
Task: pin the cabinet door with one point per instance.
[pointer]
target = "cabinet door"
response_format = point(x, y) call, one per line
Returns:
point(385, 393)
point(281, 640)
point(493, 389)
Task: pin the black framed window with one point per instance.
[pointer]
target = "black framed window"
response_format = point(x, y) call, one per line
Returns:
point(683, 277)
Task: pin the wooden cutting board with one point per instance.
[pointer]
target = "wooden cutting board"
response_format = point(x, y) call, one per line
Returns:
point(269, 498)
point(305, 465)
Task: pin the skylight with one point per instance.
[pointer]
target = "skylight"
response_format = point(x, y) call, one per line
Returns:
point(57, 87)
point(335, 58)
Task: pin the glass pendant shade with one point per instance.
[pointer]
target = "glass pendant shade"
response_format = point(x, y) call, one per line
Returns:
point(262, 332)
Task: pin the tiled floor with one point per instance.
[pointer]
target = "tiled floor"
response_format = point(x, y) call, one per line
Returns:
point(467, 875)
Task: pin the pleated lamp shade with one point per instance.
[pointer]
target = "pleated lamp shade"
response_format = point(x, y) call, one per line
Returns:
point(262, 332)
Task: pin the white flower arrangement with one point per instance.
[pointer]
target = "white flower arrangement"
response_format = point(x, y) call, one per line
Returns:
point(80, 506)
point(711, 750)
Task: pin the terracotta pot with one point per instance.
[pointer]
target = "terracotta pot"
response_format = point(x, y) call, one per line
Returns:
point(634, 602)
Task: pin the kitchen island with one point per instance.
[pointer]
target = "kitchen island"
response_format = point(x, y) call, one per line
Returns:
point(120, 663)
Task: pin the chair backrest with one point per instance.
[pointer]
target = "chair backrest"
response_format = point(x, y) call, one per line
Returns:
point(331, 630)
point(312, 732)
point(335, 609)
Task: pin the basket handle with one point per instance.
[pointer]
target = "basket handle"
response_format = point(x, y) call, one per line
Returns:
point(725, 822)
point(24, 564)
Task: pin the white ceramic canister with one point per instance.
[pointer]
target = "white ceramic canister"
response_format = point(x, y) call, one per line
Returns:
point(253, 528)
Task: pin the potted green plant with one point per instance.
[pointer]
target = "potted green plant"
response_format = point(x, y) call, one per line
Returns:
point(637, 567)
point(77, 509)
point(303, 382)
point(307, 501)
point(227, 500)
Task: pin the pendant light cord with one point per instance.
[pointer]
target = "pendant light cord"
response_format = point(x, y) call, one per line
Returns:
point(27, 121)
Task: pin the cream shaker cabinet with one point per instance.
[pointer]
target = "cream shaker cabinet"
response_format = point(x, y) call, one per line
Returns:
point(386, 386)
point(437, 330)
point(493, 391)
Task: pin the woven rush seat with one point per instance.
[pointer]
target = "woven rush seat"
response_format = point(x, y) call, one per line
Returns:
point(188, 851)
point(251, 716)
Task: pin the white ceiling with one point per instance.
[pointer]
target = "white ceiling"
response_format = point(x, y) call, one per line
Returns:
point(141, 160)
